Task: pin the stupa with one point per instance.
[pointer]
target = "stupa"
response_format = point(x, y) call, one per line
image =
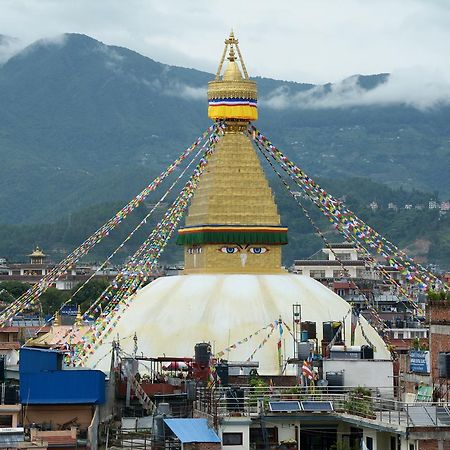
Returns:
point(233, 283)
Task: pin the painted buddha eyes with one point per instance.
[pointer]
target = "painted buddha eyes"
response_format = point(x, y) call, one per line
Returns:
point(229, 250)
point(258, 250)
point(235, 249)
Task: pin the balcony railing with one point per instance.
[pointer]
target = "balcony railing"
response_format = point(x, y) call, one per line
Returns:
point(254, 402)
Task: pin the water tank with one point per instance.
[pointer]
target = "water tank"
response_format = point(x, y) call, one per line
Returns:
point(304, 335)
point(310, 327)
point(191, 390)
point(164, 409)
point(222, 372)
point(304, 349)
point(366, 352)
point(235, 399)
point(335, 381)
point(202, 354)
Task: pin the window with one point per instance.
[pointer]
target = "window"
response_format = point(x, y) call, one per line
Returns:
point(344, 256)
point(317, 273)
point(232, 438)
point(369, 443)
point(393, 443)
point(361, 273)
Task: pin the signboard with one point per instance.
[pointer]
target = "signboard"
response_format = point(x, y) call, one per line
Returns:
point(69, 310)
point(419, 361)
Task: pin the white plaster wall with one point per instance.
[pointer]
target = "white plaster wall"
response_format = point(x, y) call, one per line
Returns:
point(384, 440)
point(364, 372)
point(237, 425)
point(373, 434)
point(286, 431)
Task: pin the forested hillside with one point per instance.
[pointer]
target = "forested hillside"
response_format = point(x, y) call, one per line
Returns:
point(84, 126)
point(83, 123)
point(424, 232)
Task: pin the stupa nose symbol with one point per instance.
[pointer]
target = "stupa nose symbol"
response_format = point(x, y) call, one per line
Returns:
point(243, 257)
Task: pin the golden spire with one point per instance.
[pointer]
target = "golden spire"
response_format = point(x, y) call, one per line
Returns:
point(233, 95)
point(79, 318)
point(57, 320)
point(233, 224)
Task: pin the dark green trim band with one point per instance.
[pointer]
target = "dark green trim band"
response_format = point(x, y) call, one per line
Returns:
point(233, 237)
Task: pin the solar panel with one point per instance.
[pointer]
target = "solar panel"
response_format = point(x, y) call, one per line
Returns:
point(289, 406)
point(317, 406)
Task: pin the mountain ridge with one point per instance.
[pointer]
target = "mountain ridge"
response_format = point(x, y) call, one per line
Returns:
point(84, 122)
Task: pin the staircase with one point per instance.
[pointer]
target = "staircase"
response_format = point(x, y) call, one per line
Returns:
point(143, 398)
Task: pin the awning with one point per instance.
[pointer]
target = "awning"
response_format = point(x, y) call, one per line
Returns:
point(192, 430)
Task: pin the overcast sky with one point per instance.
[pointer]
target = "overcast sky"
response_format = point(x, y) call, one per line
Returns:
point(314, 41)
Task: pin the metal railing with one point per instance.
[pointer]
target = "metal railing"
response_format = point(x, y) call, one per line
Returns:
point(254, 401)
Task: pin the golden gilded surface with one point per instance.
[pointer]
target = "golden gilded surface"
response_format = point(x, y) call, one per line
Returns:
point(233, 190)
point(232, 84)
point(212, 259)
point(232, 89)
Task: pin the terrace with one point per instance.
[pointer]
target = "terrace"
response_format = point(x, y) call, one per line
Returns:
point(358, 406)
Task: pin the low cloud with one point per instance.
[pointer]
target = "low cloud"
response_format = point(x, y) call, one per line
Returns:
point(9, 46)
point(113, 58)
point(417, 87)
point(185, 91)
point(23, 48)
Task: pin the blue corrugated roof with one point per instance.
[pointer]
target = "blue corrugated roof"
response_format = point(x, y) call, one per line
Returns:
point(192, 430)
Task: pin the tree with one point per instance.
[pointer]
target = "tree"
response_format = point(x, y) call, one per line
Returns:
point(14, 289)
point(52, 300)
point(89, 293)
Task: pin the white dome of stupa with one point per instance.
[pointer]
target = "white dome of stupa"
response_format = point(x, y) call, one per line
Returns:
point(172, 314)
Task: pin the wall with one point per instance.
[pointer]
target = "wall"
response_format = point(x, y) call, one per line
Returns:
point(58, 414)
point(364, 372)
point(439, 316)
point(434, 445)
point(202, 446)
point(286, 431)
point(236, 425)
point(371, 434)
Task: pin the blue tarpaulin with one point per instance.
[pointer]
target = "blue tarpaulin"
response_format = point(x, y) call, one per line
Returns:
point(192, 430)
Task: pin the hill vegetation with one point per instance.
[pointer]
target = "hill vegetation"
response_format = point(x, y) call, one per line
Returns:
point(426, 232)
point(83, 123)
point(84, 126)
